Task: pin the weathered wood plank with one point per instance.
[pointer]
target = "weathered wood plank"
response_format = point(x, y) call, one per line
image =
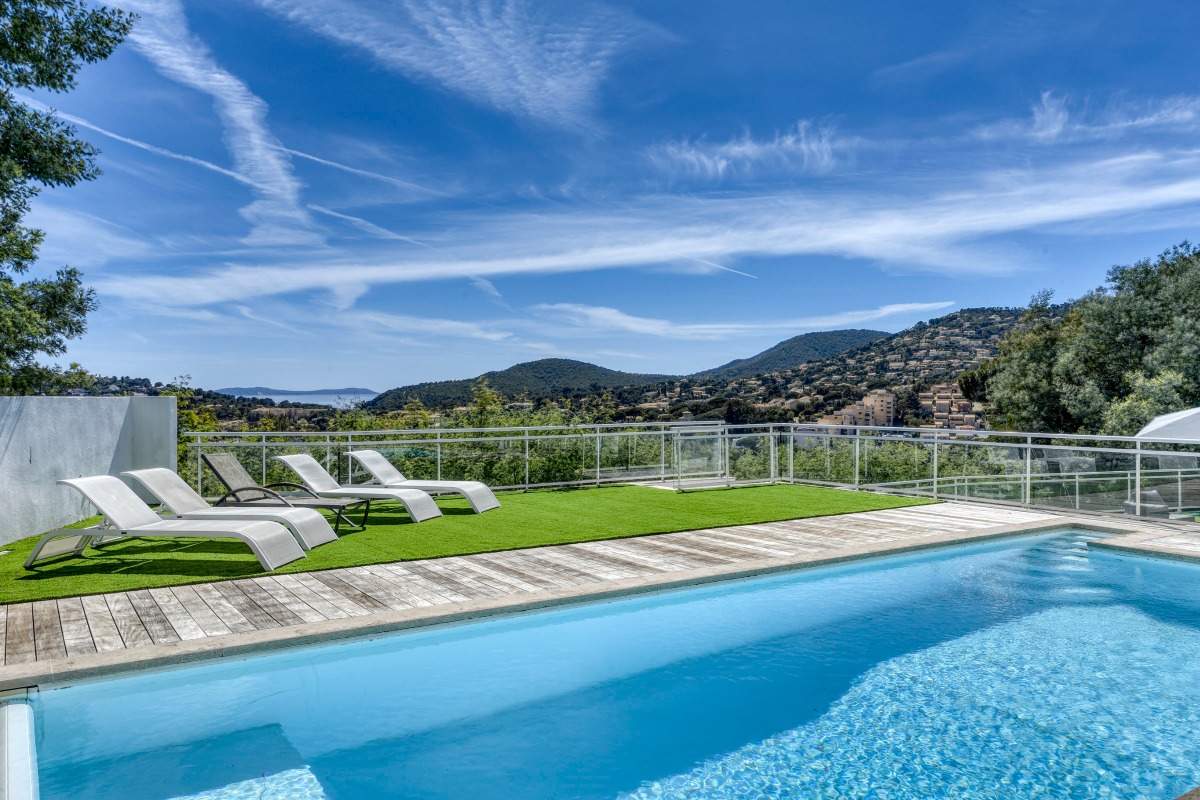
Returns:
point(199, 611)
point(316, 602)
point(291, 602)
point(246, 606)
point(349, 591)
point(18, 640)
point(531, 568)
point(152, 617)
point(263, 599)
point(451, 569)
point(368, 584)
point(77, 635)
point(498, 577)
point(228, 614)
point(573, 571)
point(48, 640)
point(129, 625)
point(623, 562)
point(182, 622)
point(103, 626)
point(409, 586)
point(324, 591)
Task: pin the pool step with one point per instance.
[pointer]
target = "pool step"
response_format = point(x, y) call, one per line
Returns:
point(18, 758)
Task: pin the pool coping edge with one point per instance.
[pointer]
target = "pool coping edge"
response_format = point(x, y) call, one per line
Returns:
point(242, 645)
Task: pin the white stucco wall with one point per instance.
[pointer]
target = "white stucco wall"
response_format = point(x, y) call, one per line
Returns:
point(43, 439)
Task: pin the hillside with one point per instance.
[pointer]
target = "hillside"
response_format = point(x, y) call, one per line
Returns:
point(537, 380)
point(927, 353)
point(794, 352)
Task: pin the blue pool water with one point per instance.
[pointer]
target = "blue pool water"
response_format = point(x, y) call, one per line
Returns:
point(1026, 668)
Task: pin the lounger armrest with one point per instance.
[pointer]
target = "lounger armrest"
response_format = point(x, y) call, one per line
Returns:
point(289, 485)
point(262, 491)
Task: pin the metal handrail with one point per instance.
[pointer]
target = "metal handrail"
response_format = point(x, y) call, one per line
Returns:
point(739, 453)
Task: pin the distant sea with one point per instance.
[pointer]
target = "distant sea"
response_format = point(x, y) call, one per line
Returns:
point(336, 400)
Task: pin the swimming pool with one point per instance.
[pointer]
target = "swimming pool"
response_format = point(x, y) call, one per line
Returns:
point(1017, 669)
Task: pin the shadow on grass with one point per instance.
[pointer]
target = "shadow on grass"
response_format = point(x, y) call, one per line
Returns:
point(148, 557)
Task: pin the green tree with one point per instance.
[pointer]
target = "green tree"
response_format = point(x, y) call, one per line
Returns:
point(1122, 351)
point(486, 405)
point(43, 44)
point(190, 417)
point(1150, 398)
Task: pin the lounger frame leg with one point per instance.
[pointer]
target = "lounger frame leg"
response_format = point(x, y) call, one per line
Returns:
point(340, 517)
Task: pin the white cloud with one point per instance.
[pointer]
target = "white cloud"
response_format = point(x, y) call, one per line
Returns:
point(805, 148)
point(603, 318)
point(940, 232)
point(1054, 119)
point(1049, 117)
point(546, 64)
point(379, 323)
point(276, 216)
point(368, 174)
point(487, 287)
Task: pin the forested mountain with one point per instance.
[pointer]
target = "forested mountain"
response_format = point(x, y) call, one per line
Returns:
point(533, 380)
point(928, 352)
point(795, 351)
point(552, 378)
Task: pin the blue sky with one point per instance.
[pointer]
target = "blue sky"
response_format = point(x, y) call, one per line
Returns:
point(318, 193)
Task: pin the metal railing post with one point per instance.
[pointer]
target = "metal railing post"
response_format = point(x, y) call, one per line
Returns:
point(1028, 469)
point(935, 469)
point(791, 454)
point(1179, 490)
point(199, 468)
point(264, 461)
point(438, 440)
point(774, 456)
point(662, 455)
point(597, 456)
point(1137, 482)
point(527, 458)
point(727, 450)
point(1076, 491)
point(856, 453)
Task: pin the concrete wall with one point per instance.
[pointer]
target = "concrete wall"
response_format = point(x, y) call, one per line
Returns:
point(43, 439)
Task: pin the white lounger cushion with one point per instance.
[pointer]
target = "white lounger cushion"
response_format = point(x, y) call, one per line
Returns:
point(306, 524)
point(478, 494)
point(271, 542)
point(419, 505)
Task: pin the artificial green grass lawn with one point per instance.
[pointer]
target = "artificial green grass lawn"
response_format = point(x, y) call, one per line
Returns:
point(525, 519)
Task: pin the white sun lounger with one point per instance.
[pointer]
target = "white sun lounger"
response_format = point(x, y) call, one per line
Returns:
point(306, 524)
point(419, 505)
point(478, 494)
point(128, 516)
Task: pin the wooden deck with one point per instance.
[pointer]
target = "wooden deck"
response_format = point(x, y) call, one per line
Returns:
point(51, 630)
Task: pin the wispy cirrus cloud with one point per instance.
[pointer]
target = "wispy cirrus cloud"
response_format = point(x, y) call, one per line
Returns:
point(277, 216)
point(379, 323)
point(1055, 119)
point(603, 318)
point(805, 148)
point(940, 231)
point(536, 62)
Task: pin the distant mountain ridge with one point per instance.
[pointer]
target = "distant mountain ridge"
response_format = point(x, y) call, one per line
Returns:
point(796, 351)
point(262, 391)
point(547, 377)
point(562, 377)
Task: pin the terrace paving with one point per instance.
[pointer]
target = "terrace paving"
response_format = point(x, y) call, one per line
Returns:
point(77, 637)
